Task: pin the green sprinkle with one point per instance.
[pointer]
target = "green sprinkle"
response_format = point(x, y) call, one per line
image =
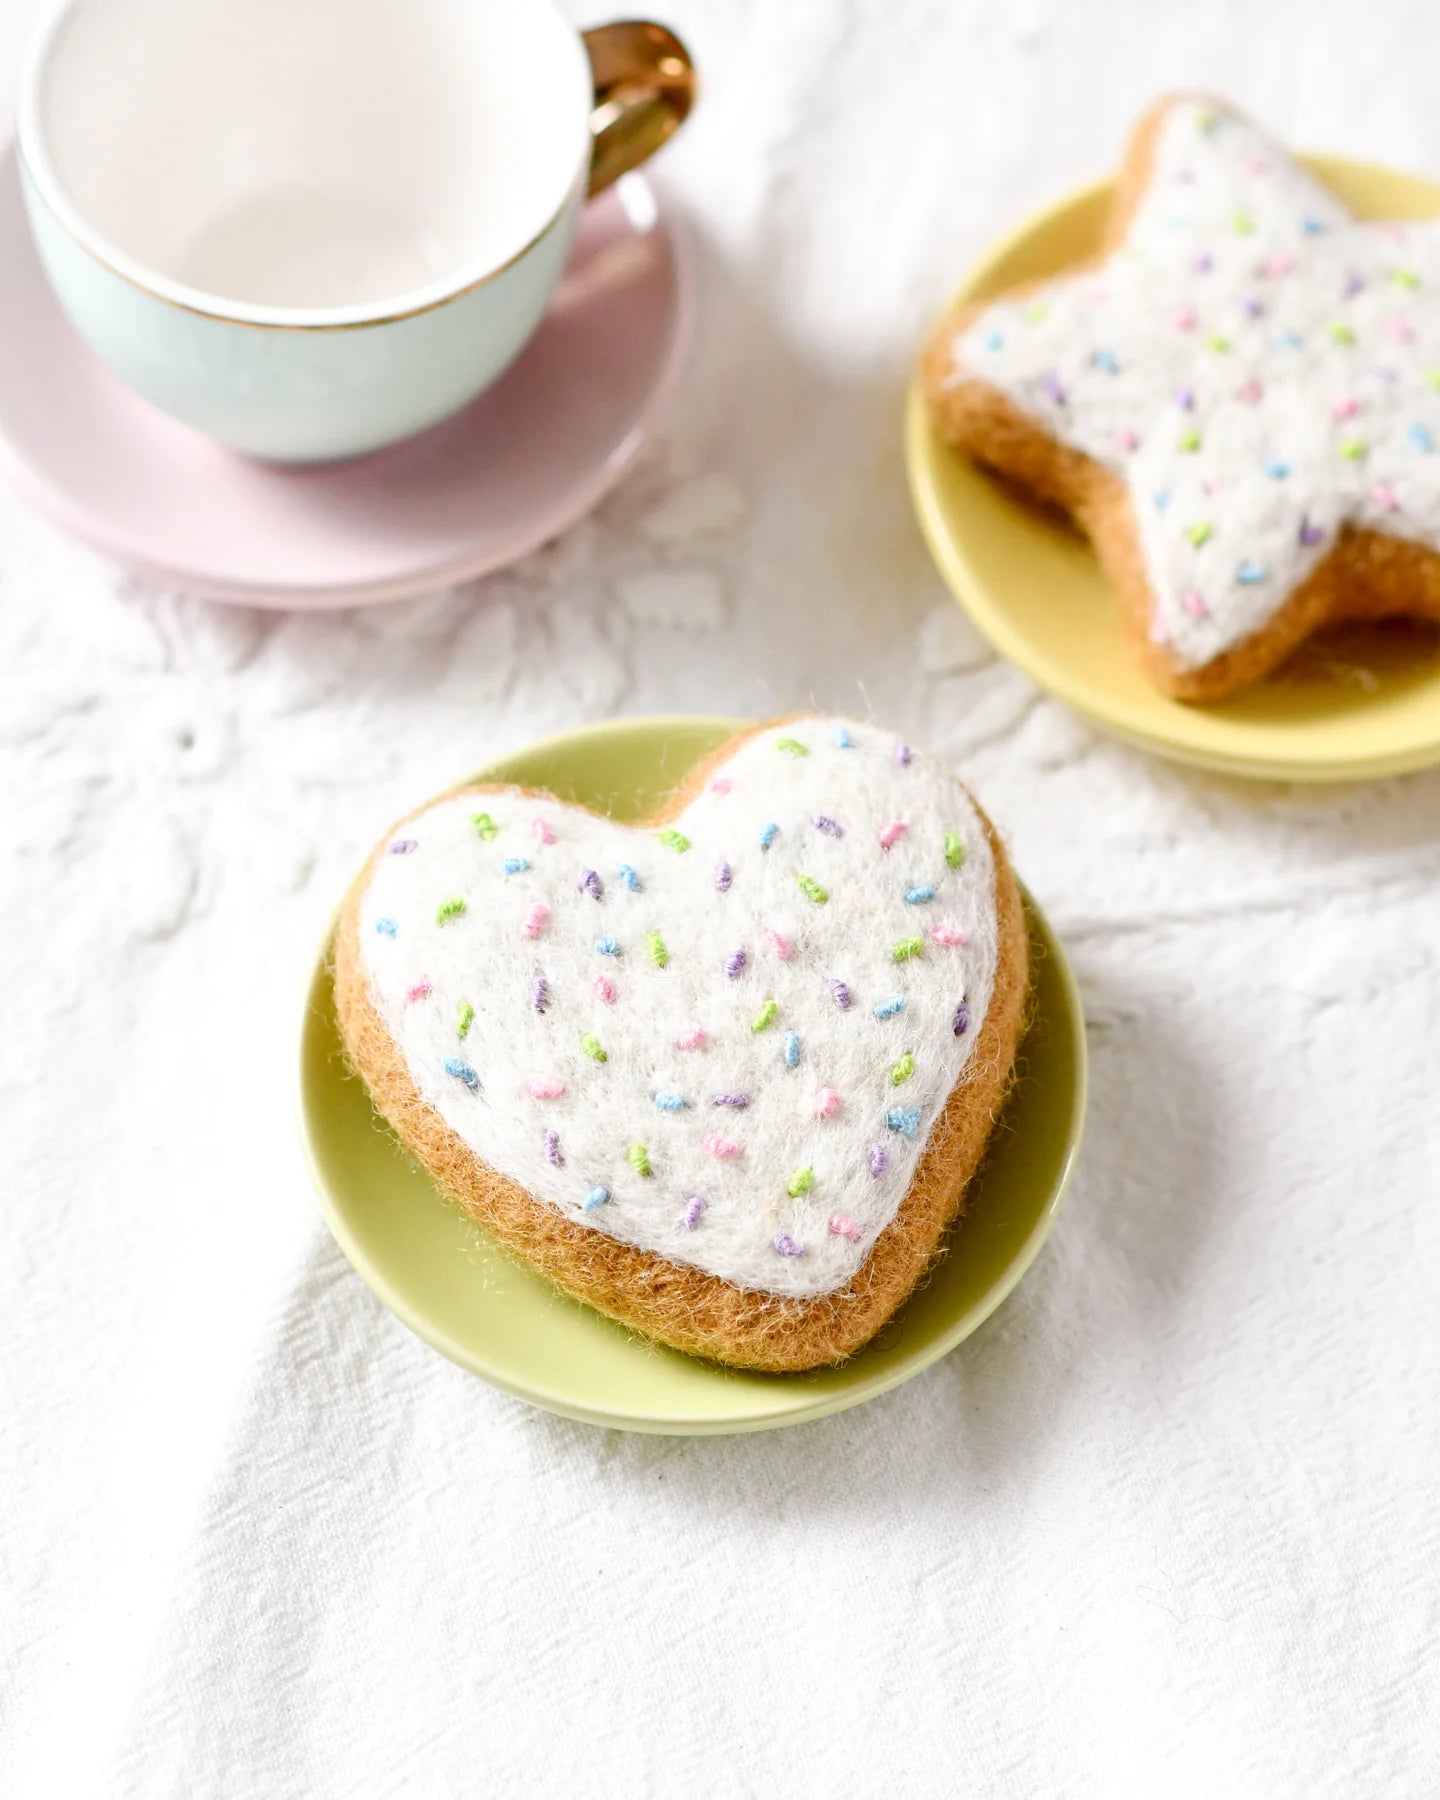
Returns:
point(1244, 224)
point(1353, 449)
point(765, 1017)
point(593, 1048)
point(1342, 334)
point(673, 839)
point(638, 1158)
point(1433, 377)
point(1205, 119)
point(791, 746)
point(907, 947)
point(1188, 440)
point(484, 824)
point(463, 1018)
point(954, 850)
point(800, 1183)
point(1199, 534)
point(812, 890)
point(1219, 344)
point(655, 944)
point(449, 909)
point(903, 1070)
point(1036, 312)
point(1406, 278)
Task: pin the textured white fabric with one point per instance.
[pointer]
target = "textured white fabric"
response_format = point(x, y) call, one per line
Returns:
point(1260, 369)
point(843, 1081)
point(1165, 1527)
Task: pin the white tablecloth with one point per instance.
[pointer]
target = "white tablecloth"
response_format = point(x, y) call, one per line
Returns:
point(1166, 1526)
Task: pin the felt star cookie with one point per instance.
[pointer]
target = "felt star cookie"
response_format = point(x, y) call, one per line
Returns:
point(1239, 402)
point(724, 1075)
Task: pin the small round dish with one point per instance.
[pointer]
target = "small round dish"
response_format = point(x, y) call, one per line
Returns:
point(1353, 704)
point(512, 470)
point(468, 1298)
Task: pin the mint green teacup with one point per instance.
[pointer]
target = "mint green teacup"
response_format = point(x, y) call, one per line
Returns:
point(312, 227)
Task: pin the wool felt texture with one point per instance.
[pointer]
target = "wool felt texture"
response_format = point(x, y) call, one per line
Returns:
point(732, 1096)
point(1240, 402)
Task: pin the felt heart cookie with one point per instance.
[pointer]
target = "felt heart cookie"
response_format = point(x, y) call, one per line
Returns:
point(724, 1075)
point(1239, 403)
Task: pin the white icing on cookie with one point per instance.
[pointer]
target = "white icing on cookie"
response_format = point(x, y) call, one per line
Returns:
point(709, 932)
point(1257, 366)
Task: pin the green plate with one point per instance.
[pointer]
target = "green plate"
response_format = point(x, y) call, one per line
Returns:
point(470, 1299)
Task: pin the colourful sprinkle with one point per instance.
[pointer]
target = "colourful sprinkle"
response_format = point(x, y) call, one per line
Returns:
point(1249, 391)
point(724, 875)
point(418, 991)
point(540, 994)
point(1251, 574)
point(1420, 439)
point(515, 865)
point(737, 1102)
point(464, 1018)
point(1160, 500)
point(785, 1245)
point(903, 1070)
point(1052, 387)
point(638, 1158)
point(995, 340)
point(879, 1160)
point(734, 963)
point(1185, 319)
point(534, 922)
point(604, 989)
point(961, 1022)
point(1194, 604)
point(765, 1017)
point(844, 1227)
point(1310, 535)
point(462, 1072)
point(780, 944)
point(1200, 534)
point(627, 878)
point(694, 1208)
point(768, 834)
point(827, 1103)
point(843, 739)
point(671, 1103)
point(791, 746)
point(1243, 224)
point(673, 839)
point(917, 896)
point(691, 1038)
point(1281, 263)
point(722, 784)
point(593, 1048)
point(1342, 334)
point(545, 1089)
point(655, 945)
point(792, 1049)
point(1384, 497)
point(722, 1147)
point(954, 850)
point(608, 946)
point(1312, 227)
point(1126, 439)
point(403, 846)
point(800, 1183)
point(907, 948)
point(1104, 359)
point(887, 1009)
point(829, 826)
point(1220, 345)
point(1406, 278)
point(1188, 440)
point(1400, 331)
point(596, 1197)
point(947, 936)
point(1276, 470)
point(1354, 449)
point(812, 890)
point(1346, 407)
point(841, 993)
point(449, 909)
point(904, 1119)
point(484, 824)
point(903, 754)
point(591, 884)
point(553, 1153)
point(386, 927)
point(1185, 399)
point(542, 830)
point(892, 834)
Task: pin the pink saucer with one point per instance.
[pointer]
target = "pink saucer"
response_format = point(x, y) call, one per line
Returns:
point(506, 474)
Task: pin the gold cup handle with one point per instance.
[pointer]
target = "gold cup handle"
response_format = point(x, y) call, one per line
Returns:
point(644, 89)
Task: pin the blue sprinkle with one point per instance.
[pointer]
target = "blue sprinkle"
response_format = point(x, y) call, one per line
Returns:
point(1162, 500)
point(596, 1197)
point(768, 834)
point(608, 946)
point(462, 1072)
point(515, 865)
point(887, 1009)
point(1276, 470)
point(792, 1049)
point(671, 1103)
point(628, 878)
point(917, 896)
point(1251, 574)
point(995, 341)
point(1289, 340)
point(843, 739)
point(904, 1118)
point(388, 926)
point(1421, 439)
point(1311, 227)
point(1102, 359)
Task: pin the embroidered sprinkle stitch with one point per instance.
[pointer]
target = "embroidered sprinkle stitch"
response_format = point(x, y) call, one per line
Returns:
point(954, 850)
point(768, 834)
point(534, 921)
point(843, 739)
point(591, 884)
point(462, 1072)
point(887, 1009)
point(604, 989)
point(543, 1088)
point(655, 944)
point(892, 834)
point(593, 1048)
point(903, 1070)
point(724, 875)
point(791, 746)
point(734, 963)
point(780, 944)
point(785, 1245)
point(671, 1103)
point(765, 1017)
point(542, 830)
point(917, 896)
point(841, 992)
point(553, 1152)
point(627, 878)
point(386, 927)
point(906, 948)
point(540, 993)
point(464, 1018)
point(961, 1022)
point(792, 1049)
point(831, 827)
point(638, 1158)
point(812, 890)
point(691, 1038)
point(515, 865)
point(449, 909)
point(738, 1101)
point(403, 846)
point(800, 1183)
point(673, 839)
point(484, 824)
point(879, 1160)
point(722, 1147)
point(827, 1103)
point(694, 1208)
point(596, 1197)
point(946, 935)
point(904, 1119)
point(418, 991)
point(844, 1226)
point(608, 946)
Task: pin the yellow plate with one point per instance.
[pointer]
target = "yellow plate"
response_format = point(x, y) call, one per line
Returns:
point(1358, 703)
point(470, 1299)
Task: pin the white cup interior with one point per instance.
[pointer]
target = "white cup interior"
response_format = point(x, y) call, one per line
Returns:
point(288, 157)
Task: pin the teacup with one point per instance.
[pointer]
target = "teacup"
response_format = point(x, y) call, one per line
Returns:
point(313, 227)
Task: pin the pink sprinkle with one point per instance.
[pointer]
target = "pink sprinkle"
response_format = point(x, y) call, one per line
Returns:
point(721, 1146)
point(827, 1103)
point(546, 1090)
point(721, 785)
point(1251, 392)
point(844, 1227)
point(543, 833)
point(418, 992)
point(1400, 330)
point(535, 920)
point(1194, 604)
point(892, 834)
point(947, 935)
point(781, 945)
point(1126, 439)
point(1185, 319)
point(604, 988)
point(1281, 263)
point(1255, 165)
point(1384, 496)
point(1346, 407)
point(691, 1038)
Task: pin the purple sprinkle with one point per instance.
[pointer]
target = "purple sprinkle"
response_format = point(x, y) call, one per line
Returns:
point(734, 963)
point(829, 826)
point(841, 993)
point(1185, 399)
point(1203, 263)
point(693, 1209)
point(1354, 282)
point(591, 884)
point(879, 1159)
point(1310, 534)
point(723, 877)
point(1253, 308)
point(403, 846)
point(540, 993)
point(962, 1020)
point(738, 1101)
point(903, 754)
point(787, 1246)
point(1053, 388)
point(552, 1149)
point(1185, 175)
